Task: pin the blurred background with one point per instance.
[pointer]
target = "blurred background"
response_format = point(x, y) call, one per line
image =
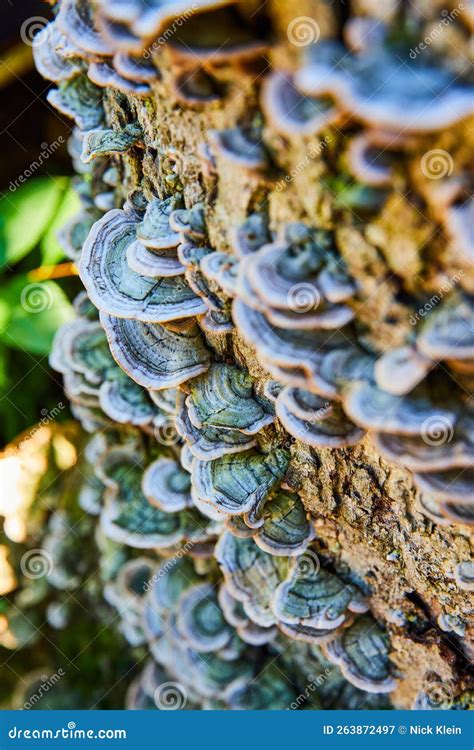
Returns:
point(36, 199)
point(44, 661)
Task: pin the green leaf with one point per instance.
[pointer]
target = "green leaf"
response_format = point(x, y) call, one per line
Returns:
point(36, 310)
point(51, 250)
point(25, 215)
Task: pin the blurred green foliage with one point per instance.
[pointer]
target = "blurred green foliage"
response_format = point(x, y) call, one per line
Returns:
point(85, 646)
point(32, 307)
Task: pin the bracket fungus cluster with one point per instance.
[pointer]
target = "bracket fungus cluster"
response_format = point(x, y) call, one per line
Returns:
point(204, 637)
point(370, 86)
point(229, 348)
point(95, 384)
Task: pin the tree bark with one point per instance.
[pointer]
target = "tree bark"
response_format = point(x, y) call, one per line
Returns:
point(365, 509)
